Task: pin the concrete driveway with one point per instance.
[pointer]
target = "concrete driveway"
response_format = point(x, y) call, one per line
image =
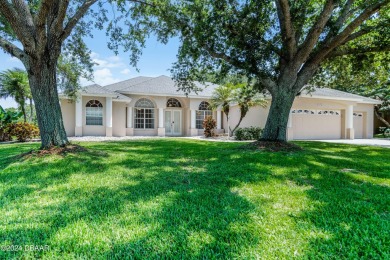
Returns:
point(371, 142)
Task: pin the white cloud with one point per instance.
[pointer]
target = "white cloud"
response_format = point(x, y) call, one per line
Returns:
point(104, 77)
point(125, 71)
point(109, 70)
point(110, 62)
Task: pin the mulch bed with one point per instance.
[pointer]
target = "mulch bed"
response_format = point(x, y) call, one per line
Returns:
point(71, 148)
point(273, 146)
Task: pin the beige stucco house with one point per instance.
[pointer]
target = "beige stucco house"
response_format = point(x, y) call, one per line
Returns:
point(152, 106)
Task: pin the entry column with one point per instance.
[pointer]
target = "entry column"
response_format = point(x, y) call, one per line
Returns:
point(194, 131)
point(161, 128)
point(79, 117)
point(349, 122)
point(129, 125)
point(108, 116)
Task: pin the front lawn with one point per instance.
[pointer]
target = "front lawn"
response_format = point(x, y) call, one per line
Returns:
point(175, 198)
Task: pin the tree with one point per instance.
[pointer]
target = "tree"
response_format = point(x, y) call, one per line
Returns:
point(367, 75)
point(243, 94)
point(14, 83)
point(38, 32)
point(246, 97)
point(280, 43)
point(222, 97)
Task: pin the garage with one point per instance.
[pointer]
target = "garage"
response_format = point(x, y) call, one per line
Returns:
point(358, 121)
point(310, 124)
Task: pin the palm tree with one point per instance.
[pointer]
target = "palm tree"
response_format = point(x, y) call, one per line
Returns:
point(222, 97)
point(242, 94)
point(14, 83)
point(246, 97)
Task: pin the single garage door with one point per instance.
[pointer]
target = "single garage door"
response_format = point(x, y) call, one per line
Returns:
point(358, 124)
point(316, 124)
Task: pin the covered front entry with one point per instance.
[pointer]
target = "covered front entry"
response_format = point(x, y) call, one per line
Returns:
point(173, 122)
point(316, 124)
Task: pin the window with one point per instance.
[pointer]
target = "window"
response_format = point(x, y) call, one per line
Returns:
point(202, 113)
point(94, 113)
point(316, 112)
point(144, 114)
point(173, 102)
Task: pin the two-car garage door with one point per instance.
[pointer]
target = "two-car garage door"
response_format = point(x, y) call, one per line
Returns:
point(316, 124)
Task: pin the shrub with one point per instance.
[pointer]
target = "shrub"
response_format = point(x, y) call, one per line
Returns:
point(209, 125)
point(385, 131)
point(22, 131)
point(6, 118)
point(248, 133)
point(4, 135)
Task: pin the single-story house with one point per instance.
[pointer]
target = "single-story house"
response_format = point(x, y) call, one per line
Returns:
point(152, 106)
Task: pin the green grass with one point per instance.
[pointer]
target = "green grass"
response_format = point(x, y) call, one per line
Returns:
point(189, 199)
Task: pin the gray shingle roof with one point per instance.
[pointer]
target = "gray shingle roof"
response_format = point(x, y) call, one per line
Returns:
point(126, 83)
point(327, 92)
point(96, 89)
point(164, 85)
point(161, 85)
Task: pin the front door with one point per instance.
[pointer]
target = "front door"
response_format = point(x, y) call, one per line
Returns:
point(172, 122)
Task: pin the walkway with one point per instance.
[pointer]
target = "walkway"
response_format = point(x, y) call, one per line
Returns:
point(371, 142)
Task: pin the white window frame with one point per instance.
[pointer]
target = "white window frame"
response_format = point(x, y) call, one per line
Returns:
point(202, 113)
point(98, 110)
point(140, 122)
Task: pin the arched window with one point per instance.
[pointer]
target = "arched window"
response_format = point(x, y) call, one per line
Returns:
point(144, 114)
point(202, 113)
point(94, 113)
point(173, 102)
point(204, 106)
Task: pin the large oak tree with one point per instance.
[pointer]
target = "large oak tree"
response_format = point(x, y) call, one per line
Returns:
point(37, 32)
point(280, 44)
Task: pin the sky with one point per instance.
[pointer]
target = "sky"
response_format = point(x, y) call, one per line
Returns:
point(156, 60)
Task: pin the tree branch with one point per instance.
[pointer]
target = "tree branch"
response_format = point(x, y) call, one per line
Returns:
point(346, 12)
point(312, 37)
point(288, 36)
point(11, 49)
point(339, 39)
point(17, 23)
point(376, 111)
point(265, 81)
point(81, 11)
point(358, 34)
point(24, 11)
point(224, 57)
point(362, 50)
point(40, 17)
point(59, 22)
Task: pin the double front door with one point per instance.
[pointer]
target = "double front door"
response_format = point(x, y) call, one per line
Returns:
point(173, 122)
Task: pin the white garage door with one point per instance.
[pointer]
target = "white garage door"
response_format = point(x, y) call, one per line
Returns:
point(316, 124)
point(358, 124)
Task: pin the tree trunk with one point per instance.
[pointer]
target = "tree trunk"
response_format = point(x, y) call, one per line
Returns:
point(376, 110)
point(43, 83)
point(242, 115)
point(31, 111)
point(276, 126)
point(24, 113)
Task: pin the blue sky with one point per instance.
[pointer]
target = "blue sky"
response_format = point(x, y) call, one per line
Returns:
point(156, 60)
